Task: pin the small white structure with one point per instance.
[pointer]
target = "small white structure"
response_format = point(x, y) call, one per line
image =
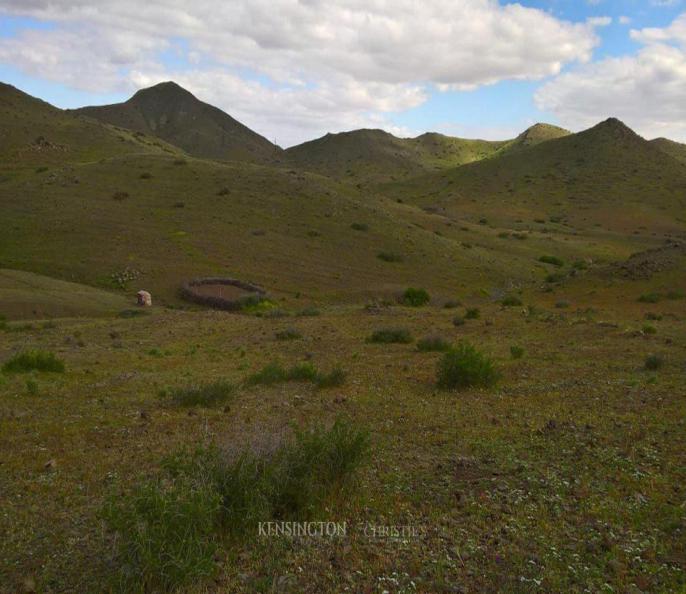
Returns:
point(144, 299)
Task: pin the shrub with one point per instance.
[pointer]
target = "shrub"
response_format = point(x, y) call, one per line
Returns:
point(473, 313)
point(458, 321)
point(579, 265)
point(146, 175)
point(516, 352)
point(562, 304)
point(451, 304)
point(555, 277)
point(433, 344)
point(554, 260)
point(463, 367)
point(270, 374)
point(653, 316)
point(389, 257)
point(301, 373)
point(119, 196)
point(391, 335)
point(511, 301)
point(360, 227)
point(165, 533)
point(675, 295)
point(335, 378)
point(649, 329)
point(649, 298)
point(415, 297)
point(33, 360)
point(288, 334)
point(654, 362)
point(208, 394)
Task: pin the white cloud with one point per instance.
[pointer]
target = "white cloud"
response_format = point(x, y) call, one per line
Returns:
point(601, 21)
point(358, 58)
point(624, 20)
point(646, 90)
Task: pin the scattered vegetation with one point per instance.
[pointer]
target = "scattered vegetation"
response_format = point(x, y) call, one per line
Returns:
point(288, 334)
point(464, 367)
point(516, 352)
point(511, 301)
point(360, 227)
point(654, 362)
point(389, 257)
point(274, 373)
point(472, 313)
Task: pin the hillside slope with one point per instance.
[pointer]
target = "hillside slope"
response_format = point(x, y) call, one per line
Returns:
point(34, 133)
point(674, 149)
point(373, 155)
point(173, 114)
point(532, 136)
point(606, 177)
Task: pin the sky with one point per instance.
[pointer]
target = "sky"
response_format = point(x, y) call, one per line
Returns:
point(294, 70)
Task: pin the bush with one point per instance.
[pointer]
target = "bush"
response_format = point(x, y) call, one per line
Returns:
point(472, 313)
point(270, 374)
point(562, 304)
point(308, 312)
point(33, 360)
point(654, 362)
point(304, 372)
point(579, 265)
point(511, 301)
point(389, 257)
point(555, 277)
point(649, 329)
point(554, 260)
point(415, 297)
point(653, 316)
point(675, 295)
point(360, 227)
point(391, 335)
point(165, 533)
point(433, 344)
point(288, 334)
point(333, 379)
point(649, 298)
point(451, 304)
point(464, 367)
point(209, 394)
point(458, 321)
point(516, 352)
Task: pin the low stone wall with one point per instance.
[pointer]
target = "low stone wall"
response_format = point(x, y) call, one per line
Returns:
point(189, 293)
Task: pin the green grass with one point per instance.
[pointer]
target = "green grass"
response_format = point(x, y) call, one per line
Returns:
point(516, 352)
point(390, 336)
point(472, 313)
point(288, 334)
point(33, 361)
point(511, 301)
point(554, 260)
point(464, 367)
point(275, 373)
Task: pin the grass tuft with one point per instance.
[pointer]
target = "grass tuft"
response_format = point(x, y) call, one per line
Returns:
point(391, 335)
point(415, 297)
point(206, 395)
point(433, 344)
point(465, 367)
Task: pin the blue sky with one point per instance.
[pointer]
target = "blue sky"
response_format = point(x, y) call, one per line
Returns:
point(298, 74)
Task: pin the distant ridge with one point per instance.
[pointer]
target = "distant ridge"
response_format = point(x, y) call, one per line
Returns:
point(175, 115)
point(674, 149)
point(532, 136)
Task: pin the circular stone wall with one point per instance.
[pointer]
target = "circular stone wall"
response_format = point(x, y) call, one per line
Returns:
point(222, 293)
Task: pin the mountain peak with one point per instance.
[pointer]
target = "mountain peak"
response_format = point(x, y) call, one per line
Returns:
point(166, 89)
point(615, 127)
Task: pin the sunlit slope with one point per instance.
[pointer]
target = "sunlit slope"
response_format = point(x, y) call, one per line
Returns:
point(605, 178)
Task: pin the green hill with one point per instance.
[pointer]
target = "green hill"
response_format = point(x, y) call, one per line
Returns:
point(35, 133)
point(532, 136)
point(364, 155)
point(605, 177)
point(175, 115)
point(674, 149)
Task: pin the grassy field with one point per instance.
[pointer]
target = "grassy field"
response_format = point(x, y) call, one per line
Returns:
point(565, 477)
point(473, 355)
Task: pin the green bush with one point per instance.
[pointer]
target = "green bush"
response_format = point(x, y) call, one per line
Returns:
point(433, 344)
point(464, 367)
point(389, 257)
point(511, 301)
point(208, 394)
point(391, 335)
point(649, 298)
point(473, 313)
point(308, 312)
point(415, 297)
point(654, 362)
point(562, 304)
point(554, 260)
point(304, 372)
point(360, 227)
point(649, 329)
point(271, 373)
point(555, 277)
point(335, 378)
point(458, 321)
point(451, 304)
point(33, 360)
point(675, 295)
point(516, 352)
point(165, 533)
